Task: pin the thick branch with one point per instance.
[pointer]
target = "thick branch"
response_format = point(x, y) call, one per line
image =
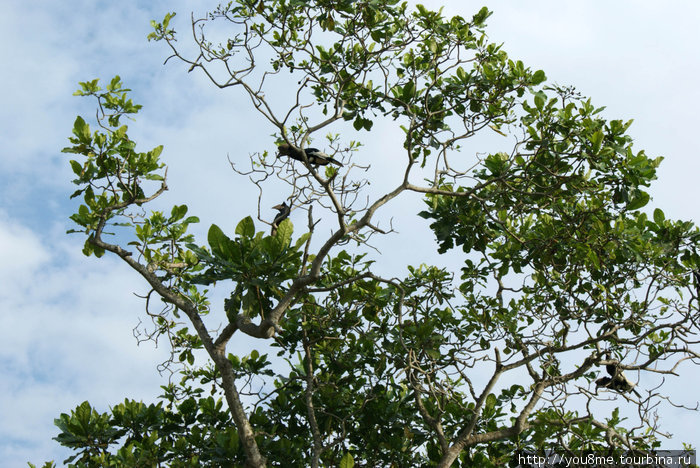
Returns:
point(518, 426)
point(245, 430)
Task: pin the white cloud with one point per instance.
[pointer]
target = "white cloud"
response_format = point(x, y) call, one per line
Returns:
point(65, 337)
point(21, 252)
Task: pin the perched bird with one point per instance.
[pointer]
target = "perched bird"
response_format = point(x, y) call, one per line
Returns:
point(611, 369)
point(617, 381)
point(620, 384)
point(281, 216)
point(313, 155)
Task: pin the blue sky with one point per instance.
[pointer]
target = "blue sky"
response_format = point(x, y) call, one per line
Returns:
point(66, 320)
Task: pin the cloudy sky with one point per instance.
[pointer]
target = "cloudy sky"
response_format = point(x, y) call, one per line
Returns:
point(66, 320)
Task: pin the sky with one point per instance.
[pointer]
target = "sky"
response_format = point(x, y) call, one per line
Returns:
point(66, 321)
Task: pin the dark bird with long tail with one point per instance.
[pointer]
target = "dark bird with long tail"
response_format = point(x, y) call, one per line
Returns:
point(617, 381)
point(314, 156)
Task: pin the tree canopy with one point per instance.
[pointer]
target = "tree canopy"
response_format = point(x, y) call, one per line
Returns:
point(566, 274)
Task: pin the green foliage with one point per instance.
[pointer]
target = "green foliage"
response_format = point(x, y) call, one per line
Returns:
point(379, 59)
point(258, 264)
point(564, 211)
point(112, 174)
point(190, 432)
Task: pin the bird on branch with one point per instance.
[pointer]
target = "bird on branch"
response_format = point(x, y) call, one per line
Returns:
point(314, 156)
point(617, 381)
point(281, 216)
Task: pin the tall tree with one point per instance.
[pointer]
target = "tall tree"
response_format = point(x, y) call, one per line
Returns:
point(563, 275)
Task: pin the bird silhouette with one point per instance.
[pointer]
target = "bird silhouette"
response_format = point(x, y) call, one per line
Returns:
point(617, 381)
point(314, 156)
point(281, 216)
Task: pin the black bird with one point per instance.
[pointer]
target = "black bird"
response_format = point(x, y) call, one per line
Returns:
point(617, 381)
point(313, 155)
point(281, 216)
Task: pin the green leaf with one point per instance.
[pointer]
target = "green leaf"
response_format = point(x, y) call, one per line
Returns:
point(490, 402)
point(409, 90)
point(597, 140)
point(246, 228)
point(177, 213)
point(538, 77)
point(347, 461)
point(659, 217)
point(82, 130)
point(302, 239)
point(540, 99)
point(115, 84)
point(432, 45)
point(479, 18)
point(638, 200)
point(593, 258)
point(357, 123)
point(284, 232)
point(77, 168)
point(220, 244)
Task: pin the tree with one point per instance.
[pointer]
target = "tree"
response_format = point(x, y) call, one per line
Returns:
point(563, 273)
